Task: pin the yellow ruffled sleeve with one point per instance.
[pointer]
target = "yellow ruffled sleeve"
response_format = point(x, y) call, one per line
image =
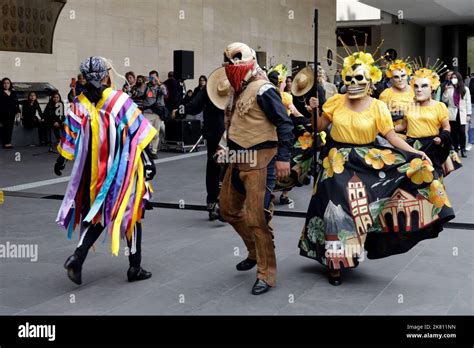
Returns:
point(443, 113)
point(383, 118)
point(385, 95)
point(332, 104)
point(287, 99)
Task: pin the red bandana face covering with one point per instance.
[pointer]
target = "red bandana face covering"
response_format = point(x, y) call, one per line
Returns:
point(236, 74)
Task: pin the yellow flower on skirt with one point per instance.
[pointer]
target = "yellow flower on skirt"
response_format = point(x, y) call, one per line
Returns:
point(438, 196)
point(378, 158)
point(420, 171)
point(334, 162)
point(306, 140)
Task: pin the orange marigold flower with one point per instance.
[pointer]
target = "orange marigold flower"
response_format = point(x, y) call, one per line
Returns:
point(420, 171)
point(306, 140)
point(334, 162)
point(438, 196)
point(379, 158)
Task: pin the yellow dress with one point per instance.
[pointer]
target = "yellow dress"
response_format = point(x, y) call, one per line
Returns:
point(287, 100)
point(425, 121)
point(357, 128)
point(397, 101)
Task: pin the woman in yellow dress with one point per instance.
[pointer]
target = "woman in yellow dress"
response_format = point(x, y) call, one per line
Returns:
point(367, 196)
point(400, 95)
point(427, 122)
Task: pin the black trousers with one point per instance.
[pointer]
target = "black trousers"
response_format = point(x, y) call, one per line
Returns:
point(458, 134)
point(6, 130)
point(94, 231)
point(213, 173)
point(43, 133)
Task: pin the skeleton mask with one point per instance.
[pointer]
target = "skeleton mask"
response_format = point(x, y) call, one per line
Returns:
point(422, 87)
point(357, 81)
point(400, 79)
point(240, 63)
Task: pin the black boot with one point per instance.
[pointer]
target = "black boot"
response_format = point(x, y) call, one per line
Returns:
point(260, 287)
point(463, 154)
point(335, 278)
point(73, 265)
point(246, 265)
point(137, 273)
point(213, 210)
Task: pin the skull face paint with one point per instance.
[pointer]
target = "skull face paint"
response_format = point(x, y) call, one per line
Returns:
point(400, 79)
point(357, 81)
point(422, 87)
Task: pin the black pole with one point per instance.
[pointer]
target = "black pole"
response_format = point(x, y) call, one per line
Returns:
point(315, 94)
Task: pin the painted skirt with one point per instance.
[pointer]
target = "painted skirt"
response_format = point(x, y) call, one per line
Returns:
point(445, 159)
point(371, 198)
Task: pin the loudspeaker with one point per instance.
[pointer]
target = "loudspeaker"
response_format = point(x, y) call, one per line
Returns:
point(183, 65)
point(186, 132)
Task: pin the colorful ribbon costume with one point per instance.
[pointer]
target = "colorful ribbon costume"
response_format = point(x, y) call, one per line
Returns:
point(107, 183)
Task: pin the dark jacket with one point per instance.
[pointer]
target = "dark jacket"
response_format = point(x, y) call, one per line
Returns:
point(213, 117)
point(9, 104)
point(175, 94)
point(53, 113)
point(299, 102)
point(30, 114)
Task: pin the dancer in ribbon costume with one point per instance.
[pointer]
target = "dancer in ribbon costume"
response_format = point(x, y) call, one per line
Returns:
point(400, 95)
point(302, 150)
point(368, 196)
point(107, 137)
point(427, 123)
point(256, 123)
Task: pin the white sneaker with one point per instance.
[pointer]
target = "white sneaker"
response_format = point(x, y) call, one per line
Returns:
point(468, 147)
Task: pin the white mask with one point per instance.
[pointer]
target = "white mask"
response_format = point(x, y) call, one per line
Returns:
point(454, 81)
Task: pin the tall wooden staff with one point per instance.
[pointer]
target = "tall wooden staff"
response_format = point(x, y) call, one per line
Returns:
point(315, 94)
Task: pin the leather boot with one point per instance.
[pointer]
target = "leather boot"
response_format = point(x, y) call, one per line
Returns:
point(73, 265)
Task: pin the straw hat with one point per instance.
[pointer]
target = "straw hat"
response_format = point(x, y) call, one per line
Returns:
point(218, 88)
point(303, 82)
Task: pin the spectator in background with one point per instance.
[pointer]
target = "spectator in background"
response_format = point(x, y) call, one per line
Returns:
point(201, 85)
point(138, 91)
point(458, 99)
point(447, 81)
point(131, 80)
point(9, 108)
point(32, 117)
point(288, 84)
point(189, 96)
point(467, 81)
point(329, 88)
point(77, 87)
point(337, 79)
point(175, 93)
point(154, 108)
point(53, 116)
point(471, 123)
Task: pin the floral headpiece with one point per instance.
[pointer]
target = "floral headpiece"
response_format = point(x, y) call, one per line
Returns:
point(432, 73)
point(363, 58)
point(281, 70)
point(398, 64)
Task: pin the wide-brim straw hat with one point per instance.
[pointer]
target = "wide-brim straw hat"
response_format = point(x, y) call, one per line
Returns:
point(219, 88)
point(303, 82)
